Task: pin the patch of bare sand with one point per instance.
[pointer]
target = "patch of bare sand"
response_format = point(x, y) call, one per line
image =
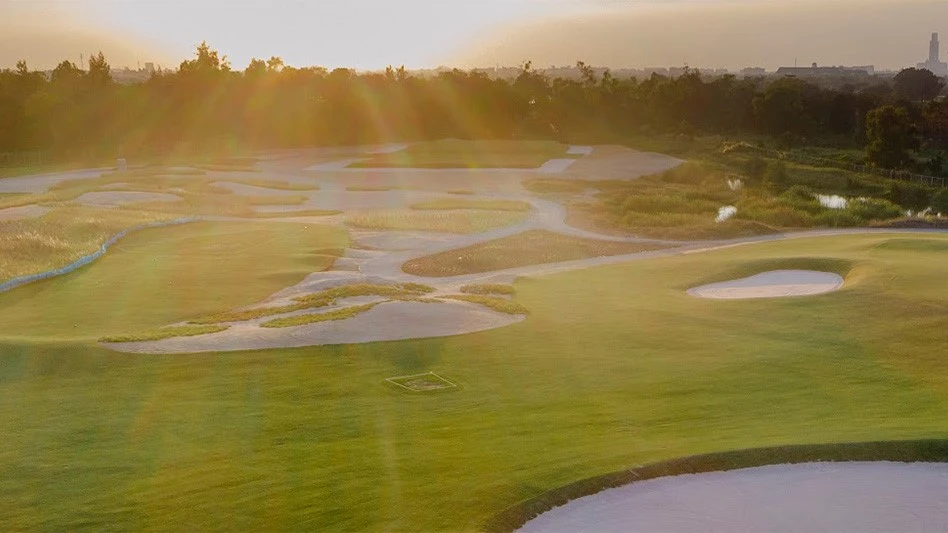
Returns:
point(23, 212)
point(865, 497)
point(385, 322)
point(774, 284)
point(619, 163)
point(117, 198)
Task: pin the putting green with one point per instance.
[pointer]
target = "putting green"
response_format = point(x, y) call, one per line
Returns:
point(159, 276)
point(616, 366)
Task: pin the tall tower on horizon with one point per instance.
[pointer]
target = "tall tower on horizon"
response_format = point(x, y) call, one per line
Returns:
point(937, 67)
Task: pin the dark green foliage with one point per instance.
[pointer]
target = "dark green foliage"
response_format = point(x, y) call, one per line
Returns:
point(910, 195)
point(940, 202)
point(891, 135)
point(917, 84)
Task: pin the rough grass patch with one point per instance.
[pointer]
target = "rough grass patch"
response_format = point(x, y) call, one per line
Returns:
point(302, 320)
point(532, 247)
point(501, 305)
point(166, 333)
point(488, 288)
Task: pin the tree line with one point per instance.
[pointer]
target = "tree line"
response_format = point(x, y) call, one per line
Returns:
point(207, 107)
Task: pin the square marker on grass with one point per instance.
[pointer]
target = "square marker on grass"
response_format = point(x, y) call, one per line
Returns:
point(422, 382)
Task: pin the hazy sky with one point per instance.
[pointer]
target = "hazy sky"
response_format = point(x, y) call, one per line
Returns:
point(426, 33)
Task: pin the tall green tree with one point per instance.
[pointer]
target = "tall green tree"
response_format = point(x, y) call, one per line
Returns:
point(891, 136)
point(917, 85)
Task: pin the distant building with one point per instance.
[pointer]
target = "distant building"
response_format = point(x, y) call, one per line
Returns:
point(816, 71)
point(753, 72)
point(939, 68)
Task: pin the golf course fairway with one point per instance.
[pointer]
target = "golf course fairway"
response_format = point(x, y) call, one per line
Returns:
point(616, 366)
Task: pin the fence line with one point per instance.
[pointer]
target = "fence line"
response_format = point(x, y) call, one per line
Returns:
point(932, 181)
point(85, 260)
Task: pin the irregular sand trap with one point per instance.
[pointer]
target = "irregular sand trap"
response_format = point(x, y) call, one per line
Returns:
point(115, 198)
point(865, 497)
point(42, 183)
point(555, 166)
point(23, 212)
point(616, 163)
point(774, 284)
point(385, 322)
point(242, 189)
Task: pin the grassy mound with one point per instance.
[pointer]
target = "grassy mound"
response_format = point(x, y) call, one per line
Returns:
point(302, 320)
point(501, 305)
point(165, 333)
point(488, 288)
point(532, 247)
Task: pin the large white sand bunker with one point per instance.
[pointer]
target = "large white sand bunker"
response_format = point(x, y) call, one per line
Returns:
point(865, 497)
point(385, 322)
point(773, 284)
point(116, 198)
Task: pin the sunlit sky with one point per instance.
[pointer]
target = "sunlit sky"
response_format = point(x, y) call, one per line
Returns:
point(370, 34)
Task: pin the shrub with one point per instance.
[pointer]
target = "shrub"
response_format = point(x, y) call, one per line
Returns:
point(940, 202)
point(874, 209)
point(910, 195)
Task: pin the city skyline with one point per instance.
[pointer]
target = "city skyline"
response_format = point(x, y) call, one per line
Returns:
point(560, 32)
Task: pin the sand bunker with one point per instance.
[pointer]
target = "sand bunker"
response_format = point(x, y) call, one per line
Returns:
point(23, 212)
point(116, 198)
point(866, 497)
point(385, 322)
point(774, 284)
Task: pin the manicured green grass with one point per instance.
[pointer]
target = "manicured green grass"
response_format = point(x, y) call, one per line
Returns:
point(453, 222)
point(162, 276)
point(166, 333)
point(487, 205)
point(528, 248)
point(495, 303)
point(615, 367)
point(448, 154)
point(328, 316)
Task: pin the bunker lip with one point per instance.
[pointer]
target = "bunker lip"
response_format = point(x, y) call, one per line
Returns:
point(818, 496)
point(772, 284)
